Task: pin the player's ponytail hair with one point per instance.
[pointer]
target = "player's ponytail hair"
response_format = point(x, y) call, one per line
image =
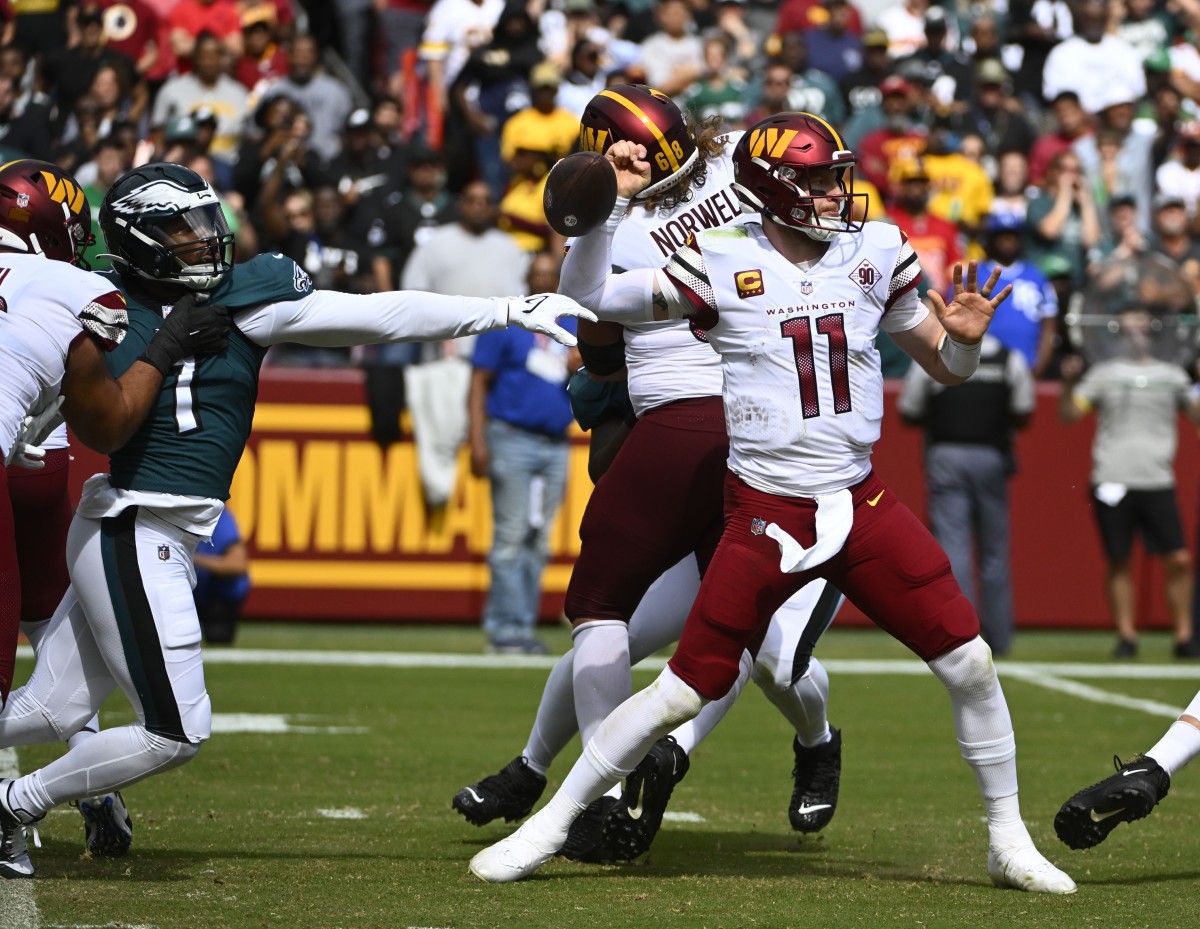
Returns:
point(708, 136)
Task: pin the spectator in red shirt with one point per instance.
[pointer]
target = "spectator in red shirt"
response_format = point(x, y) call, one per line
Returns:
point(264, 58)
point(901, 136)
point(936, 241)
point(189, 18)
point(131, 27)
point(1071, 122)
point(802, 15)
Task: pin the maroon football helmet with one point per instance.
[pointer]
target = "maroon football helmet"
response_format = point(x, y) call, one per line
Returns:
point(43, 212)
point(775, 165)
point(636, 113)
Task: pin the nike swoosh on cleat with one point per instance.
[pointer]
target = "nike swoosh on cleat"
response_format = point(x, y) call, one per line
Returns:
point(877, 498)
point(813, 809)
point(635, 812)
point(474, 796)
point(1137, 771)
point(1100, 817)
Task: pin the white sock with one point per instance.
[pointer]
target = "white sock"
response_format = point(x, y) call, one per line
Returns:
point(554, 725)
point(804, 704)
point(601, 678)
point(694, 731)
point(1006, 829)
point(981, 718)
point(1181, 742)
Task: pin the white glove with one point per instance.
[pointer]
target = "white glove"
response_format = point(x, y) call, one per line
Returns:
point(27, 450)
point(538, 313)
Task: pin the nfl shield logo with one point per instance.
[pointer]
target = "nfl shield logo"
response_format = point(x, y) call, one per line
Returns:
point(22, 200)
point(164, 553)
point(806, 287)
point(758, 526)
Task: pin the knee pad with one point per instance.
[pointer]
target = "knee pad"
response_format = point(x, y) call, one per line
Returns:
point(967, 669)
point(678, 701)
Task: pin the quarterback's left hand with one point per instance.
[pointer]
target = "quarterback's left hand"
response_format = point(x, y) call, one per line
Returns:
point(538, 313)
point(970, 311)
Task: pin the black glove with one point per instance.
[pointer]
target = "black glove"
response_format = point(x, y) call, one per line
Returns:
point(192, 329)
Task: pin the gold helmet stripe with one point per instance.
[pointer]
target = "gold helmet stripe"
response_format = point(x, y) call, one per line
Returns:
point(833, 132)
point(649, 123)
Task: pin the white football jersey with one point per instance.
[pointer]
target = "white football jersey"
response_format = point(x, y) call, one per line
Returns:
point(803, 382)
point(665, 361)
point(44, 306)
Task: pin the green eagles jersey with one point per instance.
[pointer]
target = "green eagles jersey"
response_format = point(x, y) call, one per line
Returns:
point(192, 439)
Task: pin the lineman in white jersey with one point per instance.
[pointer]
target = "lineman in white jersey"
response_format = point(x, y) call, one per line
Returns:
point(640, 522)
point(793, 304)
point(129, 619)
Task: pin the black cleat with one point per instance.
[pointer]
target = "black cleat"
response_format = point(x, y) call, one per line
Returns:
point(585, 840)
point(107, 826)
point(511, 794)
point(634, 821)
point(817, 775)
point(1088, 817)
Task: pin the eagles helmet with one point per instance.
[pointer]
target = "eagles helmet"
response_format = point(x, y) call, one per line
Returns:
point(163, 222)
point(43, 212)
point(775, 163)
point(636, 113)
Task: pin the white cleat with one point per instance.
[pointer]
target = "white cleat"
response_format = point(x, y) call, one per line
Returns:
point(511, 859)
point(1025, 868)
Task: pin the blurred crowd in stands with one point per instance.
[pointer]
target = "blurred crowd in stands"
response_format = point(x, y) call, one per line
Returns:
point(344, 132)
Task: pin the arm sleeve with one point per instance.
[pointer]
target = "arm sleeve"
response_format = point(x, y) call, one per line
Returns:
point(330, 319)
point(586, 277)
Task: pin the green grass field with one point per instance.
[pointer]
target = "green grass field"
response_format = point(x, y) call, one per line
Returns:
point(238, 838)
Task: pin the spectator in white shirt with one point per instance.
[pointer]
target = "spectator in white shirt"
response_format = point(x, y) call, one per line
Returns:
point(1091, 62)
point(673, 57)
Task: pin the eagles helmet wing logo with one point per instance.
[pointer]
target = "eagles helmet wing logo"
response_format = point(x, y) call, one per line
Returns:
point(300, 280)
point(162, 196)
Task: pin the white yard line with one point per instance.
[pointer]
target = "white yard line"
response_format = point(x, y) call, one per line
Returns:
point(17, 903)
point(1027, 670)
point(1095, 694)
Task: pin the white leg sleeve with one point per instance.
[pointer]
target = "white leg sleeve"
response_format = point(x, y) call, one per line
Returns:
point(981, 719)
point(620, 743)
point(1181, 743)
point(602, 679)
point(804, 704)
point(694, 731)
point(108, 761)
point(69, 682)
point(554, 726)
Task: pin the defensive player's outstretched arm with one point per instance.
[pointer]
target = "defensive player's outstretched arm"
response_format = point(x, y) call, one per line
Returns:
point(104, 412)
point(329, 319)
point(946, 344)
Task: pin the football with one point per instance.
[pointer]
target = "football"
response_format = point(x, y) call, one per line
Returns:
point(580, 193)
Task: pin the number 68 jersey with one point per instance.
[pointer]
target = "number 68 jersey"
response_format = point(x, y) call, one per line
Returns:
point(803, 381)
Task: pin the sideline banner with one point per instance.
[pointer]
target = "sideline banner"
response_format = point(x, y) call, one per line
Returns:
point(338, 529)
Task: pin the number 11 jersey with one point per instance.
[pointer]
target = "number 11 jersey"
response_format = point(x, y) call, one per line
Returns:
point(803, 381)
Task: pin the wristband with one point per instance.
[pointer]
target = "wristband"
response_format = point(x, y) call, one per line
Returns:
point(960, 358)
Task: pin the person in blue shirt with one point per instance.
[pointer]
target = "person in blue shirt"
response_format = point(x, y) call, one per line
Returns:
point(1026, 321)
point(222, 581)
point(519, 412)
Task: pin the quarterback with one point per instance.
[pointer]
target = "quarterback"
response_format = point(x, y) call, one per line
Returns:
point(792, 301)
point(648, 533)
point(128, 620)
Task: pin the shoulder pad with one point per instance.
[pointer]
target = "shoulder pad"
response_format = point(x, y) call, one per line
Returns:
point(269, 278)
